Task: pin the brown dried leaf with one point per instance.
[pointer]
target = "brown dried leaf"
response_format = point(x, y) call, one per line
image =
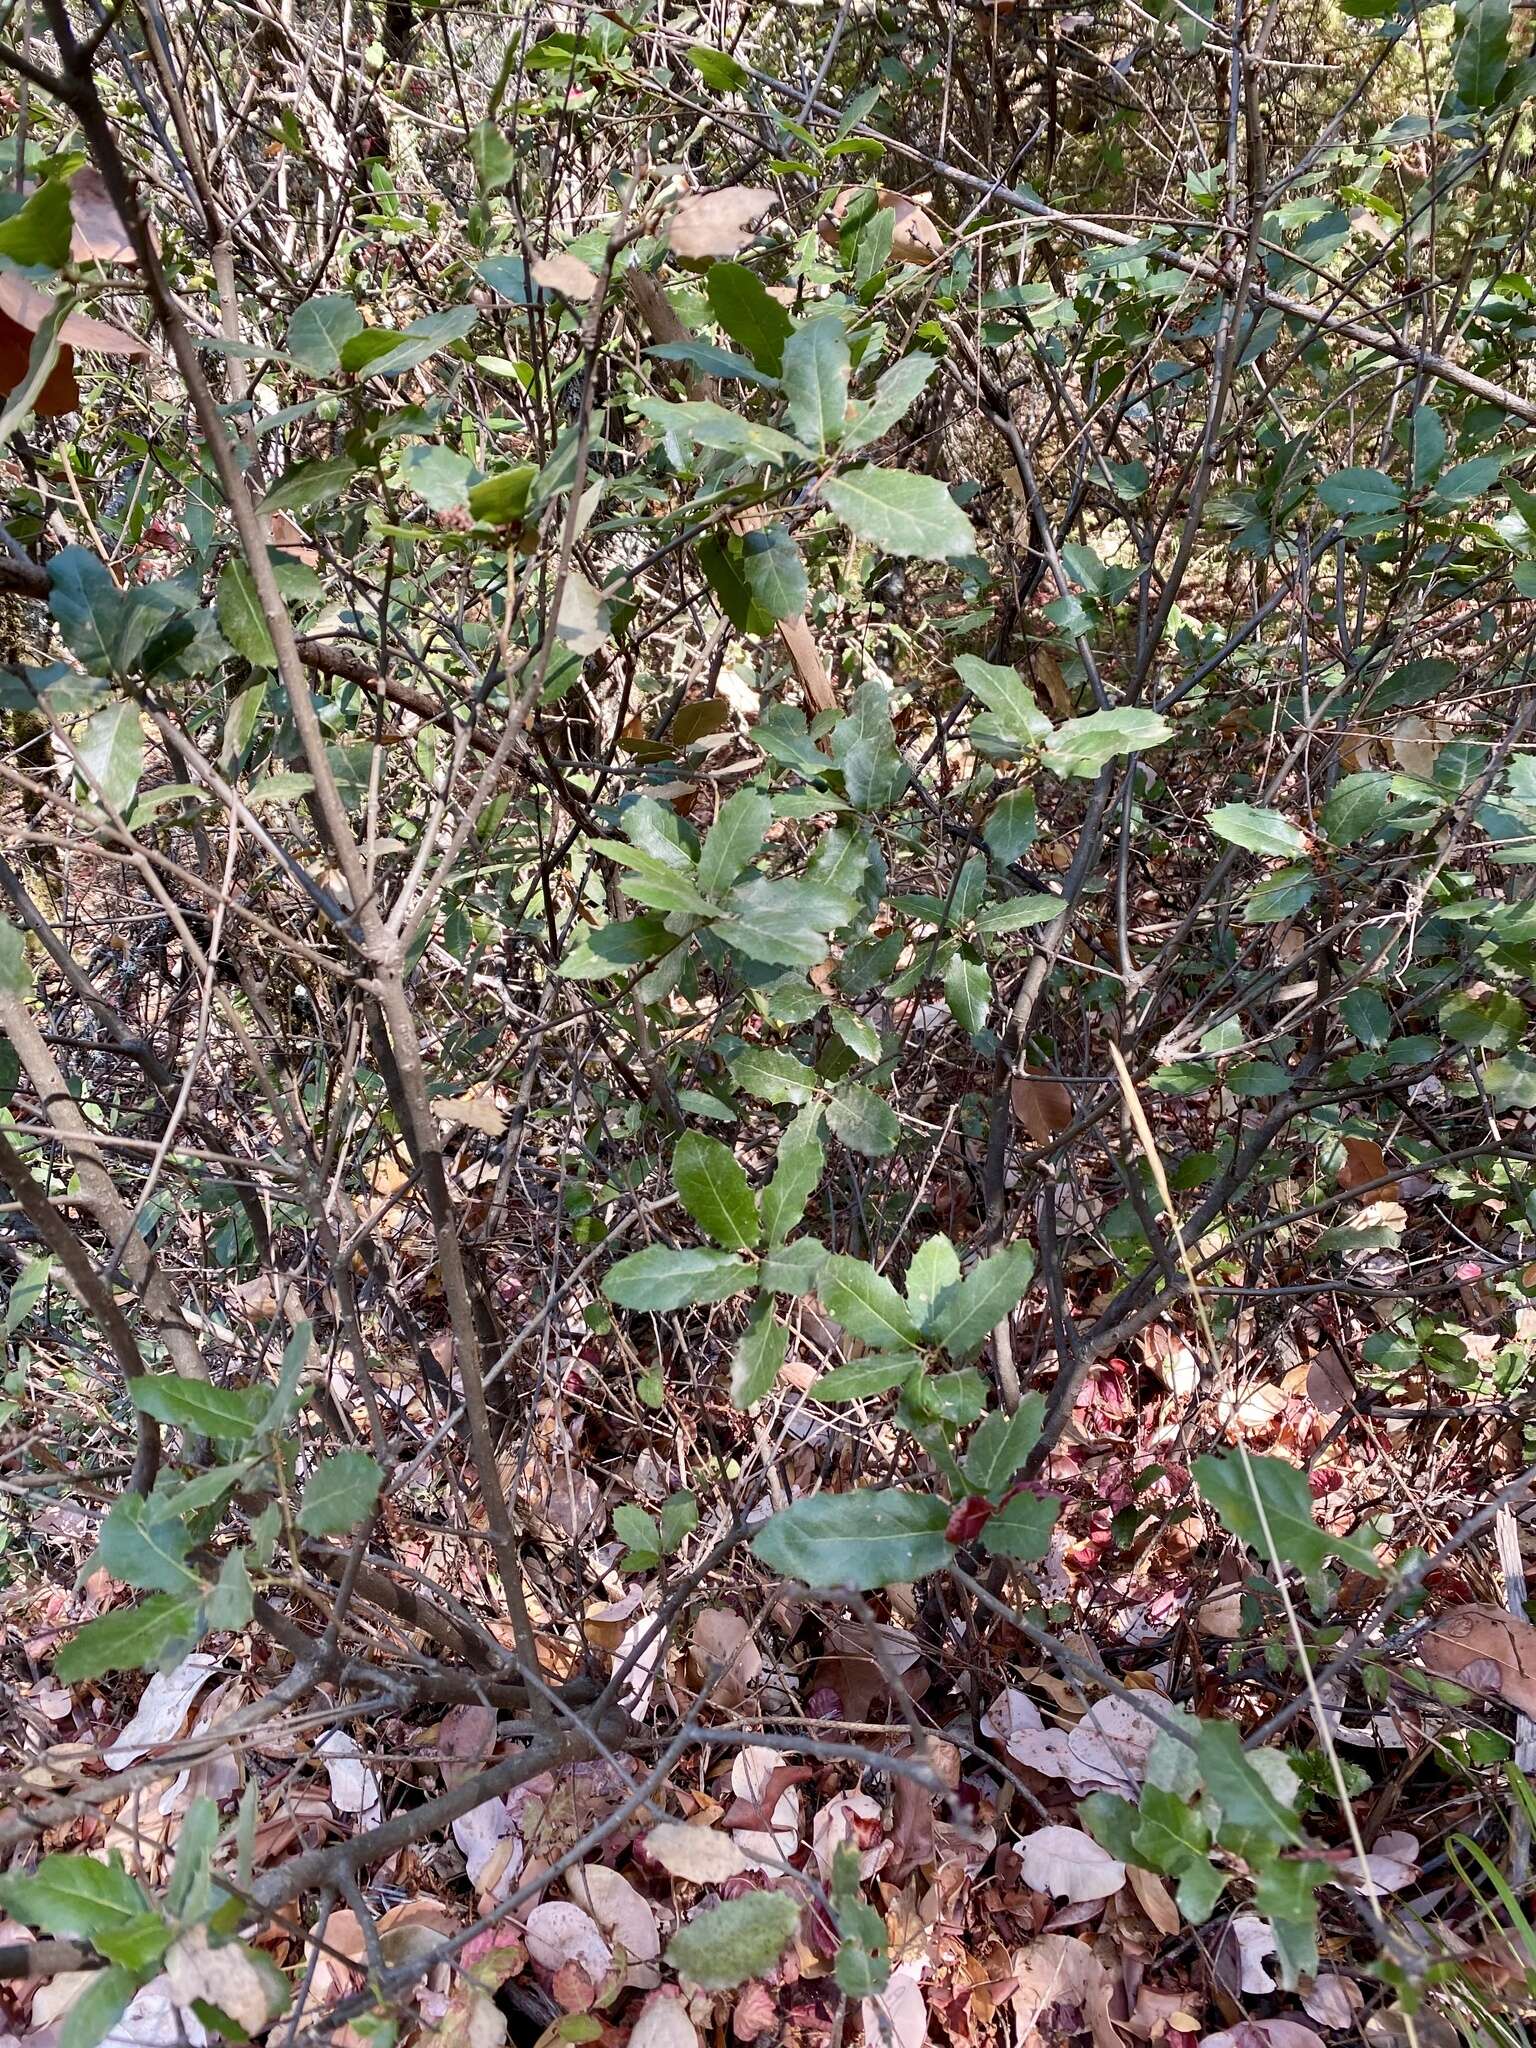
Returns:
point(564, 273)
point(1067, 1864)
point(710, 225)
point(98, 235)
point(479, 1112)
point(1154, 1899)
point(1486, 1650)
point(723, 1657)
point(1364, 1162)
point(1043, 1107)
point(29, 308)
point(226, 1977)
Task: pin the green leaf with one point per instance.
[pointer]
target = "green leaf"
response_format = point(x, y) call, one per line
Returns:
point(1018, 914)
point(720, 72)
point(635, 1527)
point(758, 1357)
point(773, 1076)
point(1464, 481)
point(866, 1304)
point(311, 484)
point(92, 2016)
point(968, 992)
point(111, 751)
point(1083, 745)
point(144, 1546)
point(1247, 1800)
point(1021, 1529)
point(492, 155)
point(749, 313)
point(425, 337)
point(1482, 50)
point(863, 1120)
point(1511, 1081)
point(616, 948)
point(1280, 895)
point(661, 1278)
point(802, 1160)
point(88, 606)
point(1356, 806)
point(190, 1892)
point(679, 1518)
point(163, 1627)
point(935, 1268)
point(792, 1268)
point(1010, 830)
point(440, 476)
point(1009, 698)
point(1362, 494)
point(15, 975)
point(1495, 1021)
point(32, 1280)
point(774, 573)
point(1267, 1504)
point(1001, 1444)
point(735, 838)
point(863, 1378)
point(727, 1944)
point(74, 1897)
point(860, 1540)
point(502, 498)
point(893, 399)
point(195, 1405)
point(815, 381)
point(781, 924)
point(703, 423)
point(1257, 831)
point(901, 513)
point(320, 328)
point(241, 618)
point(968, 1314)
point(37, 235)
point(230, 1602)
point(140, 1944)
point(341, 1492)
point(715, 1191)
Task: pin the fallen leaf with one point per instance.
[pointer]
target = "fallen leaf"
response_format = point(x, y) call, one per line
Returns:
point(1333, 2001)
point(1264, 2034)
point(480, 1835)
point(723, 1658)
point(1486, 1650)
point(707, 225)
point(626, 1918)
point(899, 2015)
point(582, 624)
point(664, 2023)
point(1058, 1969)
point(1067, 1864)
point(1413, 747)
point(1243, 1950)
point(1154, 1899)
point(162, 1709)
point(699, 1855)
point(557, 1934)
point(564, 273)
point(23, 309)
point(753, 1772)
point(228, 1977)
point(353, 1788)
point(1392, 1863)
point(464, 1741)
point(854, 1818)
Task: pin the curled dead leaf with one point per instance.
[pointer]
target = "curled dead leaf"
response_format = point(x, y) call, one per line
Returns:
point(1059, 1969)
point(478, 1112)
point(1486, 1650)
point(23, 309)
point(706, 226)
